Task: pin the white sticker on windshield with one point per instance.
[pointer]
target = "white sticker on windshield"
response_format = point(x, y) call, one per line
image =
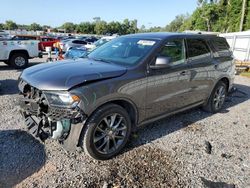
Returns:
point(146, 42)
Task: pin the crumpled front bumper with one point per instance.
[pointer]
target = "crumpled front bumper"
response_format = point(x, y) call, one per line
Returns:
point(42, 122)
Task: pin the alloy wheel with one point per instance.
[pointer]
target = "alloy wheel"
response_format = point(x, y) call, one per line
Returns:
point(219, 97)
point(110, 133)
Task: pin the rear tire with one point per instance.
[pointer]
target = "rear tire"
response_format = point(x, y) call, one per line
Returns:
point(217, 98)
point(106, 132)
point(19, 60)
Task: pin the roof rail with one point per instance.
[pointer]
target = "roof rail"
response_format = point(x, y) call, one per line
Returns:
point(201, 32)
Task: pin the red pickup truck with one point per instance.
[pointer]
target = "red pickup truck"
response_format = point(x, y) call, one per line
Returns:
point(46, 42)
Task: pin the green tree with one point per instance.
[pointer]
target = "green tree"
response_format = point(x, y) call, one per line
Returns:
point(1, 26)
point(69, 26)
point(247, 18)
point(142, 29)
point(35, 27)
point(10, 25)
point(177, 23)
point(114, 27)
point(101, 28)
point(85, 27)
point(133, 26)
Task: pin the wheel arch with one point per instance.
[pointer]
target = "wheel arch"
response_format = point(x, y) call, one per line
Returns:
point(128, 105)
point(19, 51)
point(226, 81)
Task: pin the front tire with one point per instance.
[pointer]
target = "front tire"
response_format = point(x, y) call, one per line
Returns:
point(217, 98)
point(107, 132)
point(19, 60)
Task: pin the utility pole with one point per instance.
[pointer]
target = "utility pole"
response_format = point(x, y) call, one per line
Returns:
point(243, 14)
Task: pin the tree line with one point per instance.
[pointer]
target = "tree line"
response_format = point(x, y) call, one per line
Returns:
point(98, 26)
point(213, 15)
point(210, 15)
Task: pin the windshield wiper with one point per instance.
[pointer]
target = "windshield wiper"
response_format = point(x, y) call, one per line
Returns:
point(100, 59)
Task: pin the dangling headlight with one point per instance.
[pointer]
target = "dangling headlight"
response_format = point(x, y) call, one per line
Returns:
point(62, 99)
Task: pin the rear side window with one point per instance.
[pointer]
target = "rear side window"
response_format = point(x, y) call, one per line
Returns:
point(197, 48)
point(220, 47)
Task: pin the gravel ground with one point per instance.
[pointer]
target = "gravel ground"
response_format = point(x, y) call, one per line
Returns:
point(191, 149)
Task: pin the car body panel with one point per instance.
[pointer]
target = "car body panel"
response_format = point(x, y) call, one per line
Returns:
point(67, 74)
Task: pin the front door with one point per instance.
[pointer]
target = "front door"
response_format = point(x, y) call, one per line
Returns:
point(168, 88)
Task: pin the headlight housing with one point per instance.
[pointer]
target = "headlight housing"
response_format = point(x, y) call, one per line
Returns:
point(62, 99)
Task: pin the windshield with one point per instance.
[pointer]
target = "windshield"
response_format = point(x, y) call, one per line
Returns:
point(75, 53)
point(124, 51)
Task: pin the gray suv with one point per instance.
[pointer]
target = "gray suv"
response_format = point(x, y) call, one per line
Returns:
point(96, 102)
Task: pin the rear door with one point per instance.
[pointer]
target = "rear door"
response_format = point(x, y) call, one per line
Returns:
point(168, 88)
point(200, 59)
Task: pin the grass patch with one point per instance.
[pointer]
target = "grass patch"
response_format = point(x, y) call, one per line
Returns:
point(247, 74)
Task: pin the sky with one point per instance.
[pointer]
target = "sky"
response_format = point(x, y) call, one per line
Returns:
point(56, 12)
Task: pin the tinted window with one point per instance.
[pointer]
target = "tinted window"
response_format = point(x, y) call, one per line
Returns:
point(220, 46)
point(79, 42)
point(175, 50)
point(45, 39)
point(197, 48)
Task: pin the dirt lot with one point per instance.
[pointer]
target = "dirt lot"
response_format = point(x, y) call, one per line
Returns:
point(191, 149)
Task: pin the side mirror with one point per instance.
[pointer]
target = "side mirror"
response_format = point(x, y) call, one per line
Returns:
point(161, 62)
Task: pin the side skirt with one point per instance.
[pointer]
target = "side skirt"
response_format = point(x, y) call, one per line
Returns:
point(145, 122)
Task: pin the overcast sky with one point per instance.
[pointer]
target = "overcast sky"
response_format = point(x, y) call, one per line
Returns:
point(56, 12)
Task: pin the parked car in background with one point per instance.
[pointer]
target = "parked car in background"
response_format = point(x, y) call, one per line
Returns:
point(128, 82)
point(91, 39)
point(25, 37)
point(69, 43)
point(17, 52)
point(47, 42)
point(99, 42)
point(4, 35)
point(75, 53)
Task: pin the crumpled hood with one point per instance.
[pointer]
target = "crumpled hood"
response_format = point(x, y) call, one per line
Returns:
point(67, 74)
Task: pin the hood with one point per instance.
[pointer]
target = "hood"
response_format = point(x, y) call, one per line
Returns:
point(67, 74)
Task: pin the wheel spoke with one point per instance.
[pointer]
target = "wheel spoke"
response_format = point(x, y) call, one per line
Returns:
point(106, 149)
point(106, 121)
point(118, 123)
point(119, 137)
point(96, 139)
point(121, 128)
point(100, 129)
point(114, 141)
point(104, 142)
point(113, 117)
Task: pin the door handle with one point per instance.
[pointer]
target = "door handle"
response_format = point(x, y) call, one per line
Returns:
point(183, 73)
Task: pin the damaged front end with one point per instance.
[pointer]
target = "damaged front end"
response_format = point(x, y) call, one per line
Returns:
point(50, 114)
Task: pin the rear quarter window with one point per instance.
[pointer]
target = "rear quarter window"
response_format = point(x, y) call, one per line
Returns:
point(220, 47)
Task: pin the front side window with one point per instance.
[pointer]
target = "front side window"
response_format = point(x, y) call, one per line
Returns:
point(197, 48)
point(175, 51)
point(124, 51)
